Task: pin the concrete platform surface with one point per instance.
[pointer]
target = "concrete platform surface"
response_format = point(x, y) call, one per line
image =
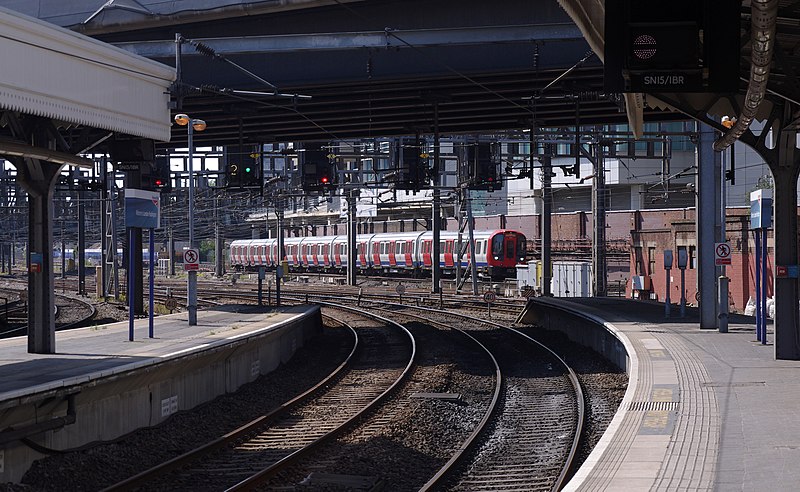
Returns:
point(704, 410)
point(90, 353)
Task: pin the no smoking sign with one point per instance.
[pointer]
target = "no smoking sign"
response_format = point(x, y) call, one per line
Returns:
point(191, 259)
point(722, 254)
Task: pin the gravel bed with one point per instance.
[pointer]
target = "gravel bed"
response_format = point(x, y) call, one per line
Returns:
point(603, 383)
point(409, 440)
point(104, 464)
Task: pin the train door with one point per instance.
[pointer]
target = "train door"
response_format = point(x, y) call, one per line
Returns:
point(511, 250)
point(362, 255)
point(326, 255)
point(262, 255)
point(409, 251)
point(390, 251)
point(427, 245)
point(448, 253)
point(338, 249)
point(376, 254)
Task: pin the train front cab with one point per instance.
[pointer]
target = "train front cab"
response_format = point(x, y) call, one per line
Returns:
point(506, 250)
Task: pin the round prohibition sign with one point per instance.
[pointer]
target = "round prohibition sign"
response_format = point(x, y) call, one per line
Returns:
point(723, 251)
point(489, 296)
point(400, 289)
point(190, 256)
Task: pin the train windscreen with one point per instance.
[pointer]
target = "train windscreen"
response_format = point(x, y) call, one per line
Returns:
point(497, 246)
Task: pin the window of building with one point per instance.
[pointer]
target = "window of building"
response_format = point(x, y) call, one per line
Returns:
point(692, 257)
point(651, 257)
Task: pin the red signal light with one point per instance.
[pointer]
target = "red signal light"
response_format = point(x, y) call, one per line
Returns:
point(159, 182)
point(324, 180)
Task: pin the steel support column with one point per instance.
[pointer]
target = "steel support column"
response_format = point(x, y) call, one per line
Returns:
point(599, 200)
point(436, 219)
point(39, 179)
point(785, 169)
point(707, 214)
point(352, 253)
point(546, 222)
point(81, 249)
point(219, 252)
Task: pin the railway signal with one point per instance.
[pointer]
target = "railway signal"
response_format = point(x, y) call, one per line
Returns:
point(318, 168)
point(483, 163)
point(158, 178)
point(243, 168)
point(411, 161)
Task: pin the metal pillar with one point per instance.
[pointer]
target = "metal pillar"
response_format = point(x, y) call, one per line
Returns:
point(471, 230)
point(707, 213)
point(138, 268)
point(63, 251)
point(460, 238)
point(172, 252)
point(352, 250)
point(599, 199)
point(191, 303)
point(281, 252)
point(41, 296)
point(80, 250)
point(219, 255)
point(546, 220)
point(436, 219)
point(104, 211)
point(785, 167)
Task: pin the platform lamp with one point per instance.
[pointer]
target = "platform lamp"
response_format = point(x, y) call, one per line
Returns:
point(192, 125)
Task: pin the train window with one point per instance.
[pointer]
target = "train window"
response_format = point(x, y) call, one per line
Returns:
point(510, 248)
point(497, 246)
point(384, 248)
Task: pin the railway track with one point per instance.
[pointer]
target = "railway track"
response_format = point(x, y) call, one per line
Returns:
point(530, 438)
point(70, 312)
point(253, 453)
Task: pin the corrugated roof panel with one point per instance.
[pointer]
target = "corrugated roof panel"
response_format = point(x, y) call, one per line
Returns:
point(69, 77)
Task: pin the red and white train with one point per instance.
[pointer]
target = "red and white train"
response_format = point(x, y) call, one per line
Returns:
point(496, 252)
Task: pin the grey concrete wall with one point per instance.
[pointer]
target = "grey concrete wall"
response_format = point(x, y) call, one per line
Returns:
point(119, 404)
point(580, 327)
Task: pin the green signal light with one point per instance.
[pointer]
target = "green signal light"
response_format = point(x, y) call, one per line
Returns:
point(247, 169)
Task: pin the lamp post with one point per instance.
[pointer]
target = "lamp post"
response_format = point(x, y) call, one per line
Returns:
point(191, 125)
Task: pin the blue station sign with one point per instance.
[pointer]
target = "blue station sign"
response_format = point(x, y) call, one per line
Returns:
point(142, 208)
point(761, 209)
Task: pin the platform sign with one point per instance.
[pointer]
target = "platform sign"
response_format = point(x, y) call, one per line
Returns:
point(142, 208)
point(761, 209)
point(787, 271)
point(191, 260)
point(722, 254)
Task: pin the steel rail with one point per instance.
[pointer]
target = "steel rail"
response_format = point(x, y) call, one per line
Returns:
point(179, 461)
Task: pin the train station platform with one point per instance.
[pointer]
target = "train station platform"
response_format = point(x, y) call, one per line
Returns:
point(99, 386)
point(703, 411)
